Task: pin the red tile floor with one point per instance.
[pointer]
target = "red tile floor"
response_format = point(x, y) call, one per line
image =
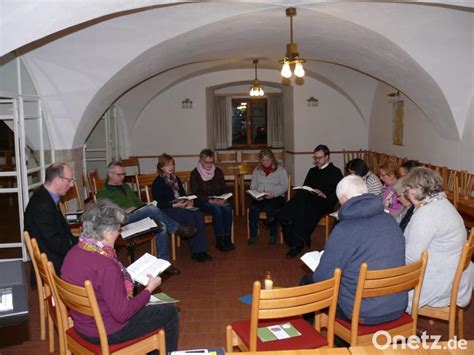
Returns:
point(209, 293)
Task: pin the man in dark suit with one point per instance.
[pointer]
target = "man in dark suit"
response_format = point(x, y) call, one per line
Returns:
point(43, 219)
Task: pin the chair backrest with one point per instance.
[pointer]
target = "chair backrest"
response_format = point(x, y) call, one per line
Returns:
point(292, 301)
point(71, 195)
point(29, 247)
point(249, 156)
point(226, 157)
point(185, 177)
point(91, 175)
point(131, 165)
point(464, 261)
point(81, 300)
point(288, 192)
point(142, 181)
point(97, 184)
point(376, 283)
point(279, 156)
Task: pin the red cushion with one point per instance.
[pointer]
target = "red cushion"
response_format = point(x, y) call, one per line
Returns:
point(371, 329)
point(112, 347)
point(309, 339)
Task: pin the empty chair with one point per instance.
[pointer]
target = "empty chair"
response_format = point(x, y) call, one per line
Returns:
point(72, 196)
point(286, 305)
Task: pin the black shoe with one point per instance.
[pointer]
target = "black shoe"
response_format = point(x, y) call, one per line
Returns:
point(206, 256)
point(171, 270)
point(294, 252)
point(251, 241)
point(201, 257)
point(228, 242)
point(186, 232)
point(222, 245)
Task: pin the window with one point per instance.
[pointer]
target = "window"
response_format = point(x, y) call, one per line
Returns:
point(249, 122)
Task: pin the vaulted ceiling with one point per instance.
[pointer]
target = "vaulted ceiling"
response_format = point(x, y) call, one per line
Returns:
point(84, 55)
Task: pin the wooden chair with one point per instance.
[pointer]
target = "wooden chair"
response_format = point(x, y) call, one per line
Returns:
point(249, 157)
point(47, 306)
point(279, 156)
point(271, 307)
point(245, 171)
point(131, 165)
point(262, 215)
point(375, 283)
point(231, 174)
point(348, 155)
point(72, 195)
point(97, 185)
point(226, 157)
point(83, 300)
point(142, 181)
point(453, 311)
point(41, 289)
point(185, 177)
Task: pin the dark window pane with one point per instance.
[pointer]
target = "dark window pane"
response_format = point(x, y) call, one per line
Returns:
point(239, 123)
point(259, 123)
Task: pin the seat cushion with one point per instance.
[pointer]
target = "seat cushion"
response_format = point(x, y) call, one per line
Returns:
point(112, 347)
point(370, 329)
point(309, 339)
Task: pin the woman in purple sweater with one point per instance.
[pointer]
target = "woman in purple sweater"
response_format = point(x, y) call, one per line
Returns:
point(93, 258)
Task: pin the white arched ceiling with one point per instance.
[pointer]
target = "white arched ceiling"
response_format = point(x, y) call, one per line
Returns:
point(81, 74)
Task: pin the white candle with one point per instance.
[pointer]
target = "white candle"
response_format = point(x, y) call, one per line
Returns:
point(268, 284)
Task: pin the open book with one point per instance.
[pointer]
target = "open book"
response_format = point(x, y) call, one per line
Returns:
point(144, 225)
point(74, 217)
point(147, 264)
point(161, 298)
point(312, 259)
point(143, 205)
point(255, 194)
point(223, 196)
point(304, 187)
point(184, 198)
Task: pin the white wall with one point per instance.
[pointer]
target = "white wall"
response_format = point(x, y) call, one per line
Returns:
point(164, 126)
point(421, 140)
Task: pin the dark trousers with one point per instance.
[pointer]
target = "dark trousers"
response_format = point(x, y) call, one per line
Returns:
point(221, 218)
point(146, 320)
point(270, 207)
point(198, 244)
point(300, 216)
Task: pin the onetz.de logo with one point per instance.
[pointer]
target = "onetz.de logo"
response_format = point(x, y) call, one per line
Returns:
point(383, 340)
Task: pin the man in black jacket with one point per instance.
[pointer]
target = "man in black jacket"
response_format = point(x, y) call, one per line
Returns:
point(302, 213)
point(43, 219)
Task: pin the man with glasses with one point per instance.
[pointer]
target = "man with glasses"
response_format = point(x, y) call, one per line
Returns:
point(43, 219)
point(117, 191)
point(299, 216)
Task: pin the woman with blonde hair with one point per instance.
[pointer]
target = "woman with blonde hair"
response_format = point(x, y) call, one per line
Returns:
point(388, 174)
point(271, 178)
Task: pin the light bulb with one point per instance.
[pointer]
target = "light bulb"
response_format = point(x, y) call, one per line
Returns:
point(286, 70)
point(252, 91)
point(299, 71)
point(260, 92)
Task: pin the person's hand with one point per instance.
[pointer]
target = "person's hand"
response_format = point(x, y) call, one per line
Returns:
point(180, 204)
point(217, 201)
point(153, 283)
point(319, 193)
point(269, 195)
point(189, 203)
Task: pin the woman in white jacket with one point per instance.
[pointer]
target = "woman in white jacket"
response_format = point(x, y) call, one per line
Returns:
point(437, 227)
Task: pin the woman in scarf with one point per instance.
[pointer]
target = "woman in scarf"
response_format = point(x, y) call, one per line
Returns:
point(436, 227)
point(207, 182)
point(167, 188)
point(388, 174)
point(94, 258)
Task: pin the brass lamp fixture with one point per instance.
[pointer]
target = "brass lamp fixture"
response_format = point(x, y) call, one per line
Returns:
point(292, 63)
point(256, 89)
point(312, 101)
point(187, 103)
point(394, 97)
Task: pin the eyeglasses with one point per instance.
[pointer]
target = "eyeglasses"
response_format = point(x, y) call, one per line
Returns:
point(68, 179)
point(319, 158)
point(118, 174)
point(208, 162)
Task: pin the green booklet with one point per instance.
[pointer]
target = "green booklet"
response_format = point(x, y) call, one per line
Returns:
point(162, 297)
point(277, 332)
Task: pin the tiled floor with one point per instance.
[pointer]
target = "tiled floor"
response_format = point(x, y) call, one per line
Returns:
point(209, 293)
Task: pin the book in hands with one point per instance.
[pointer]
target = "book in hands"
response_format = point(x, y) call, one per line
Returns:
point(277, 332)
point(143, 205)
point(184, 198)
point(312, 259)
point(74, 217)
point(304, 187)
point(147, 264)
point(144, 225)
point(255, 194)
point(161, 298)
point(222, 197)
